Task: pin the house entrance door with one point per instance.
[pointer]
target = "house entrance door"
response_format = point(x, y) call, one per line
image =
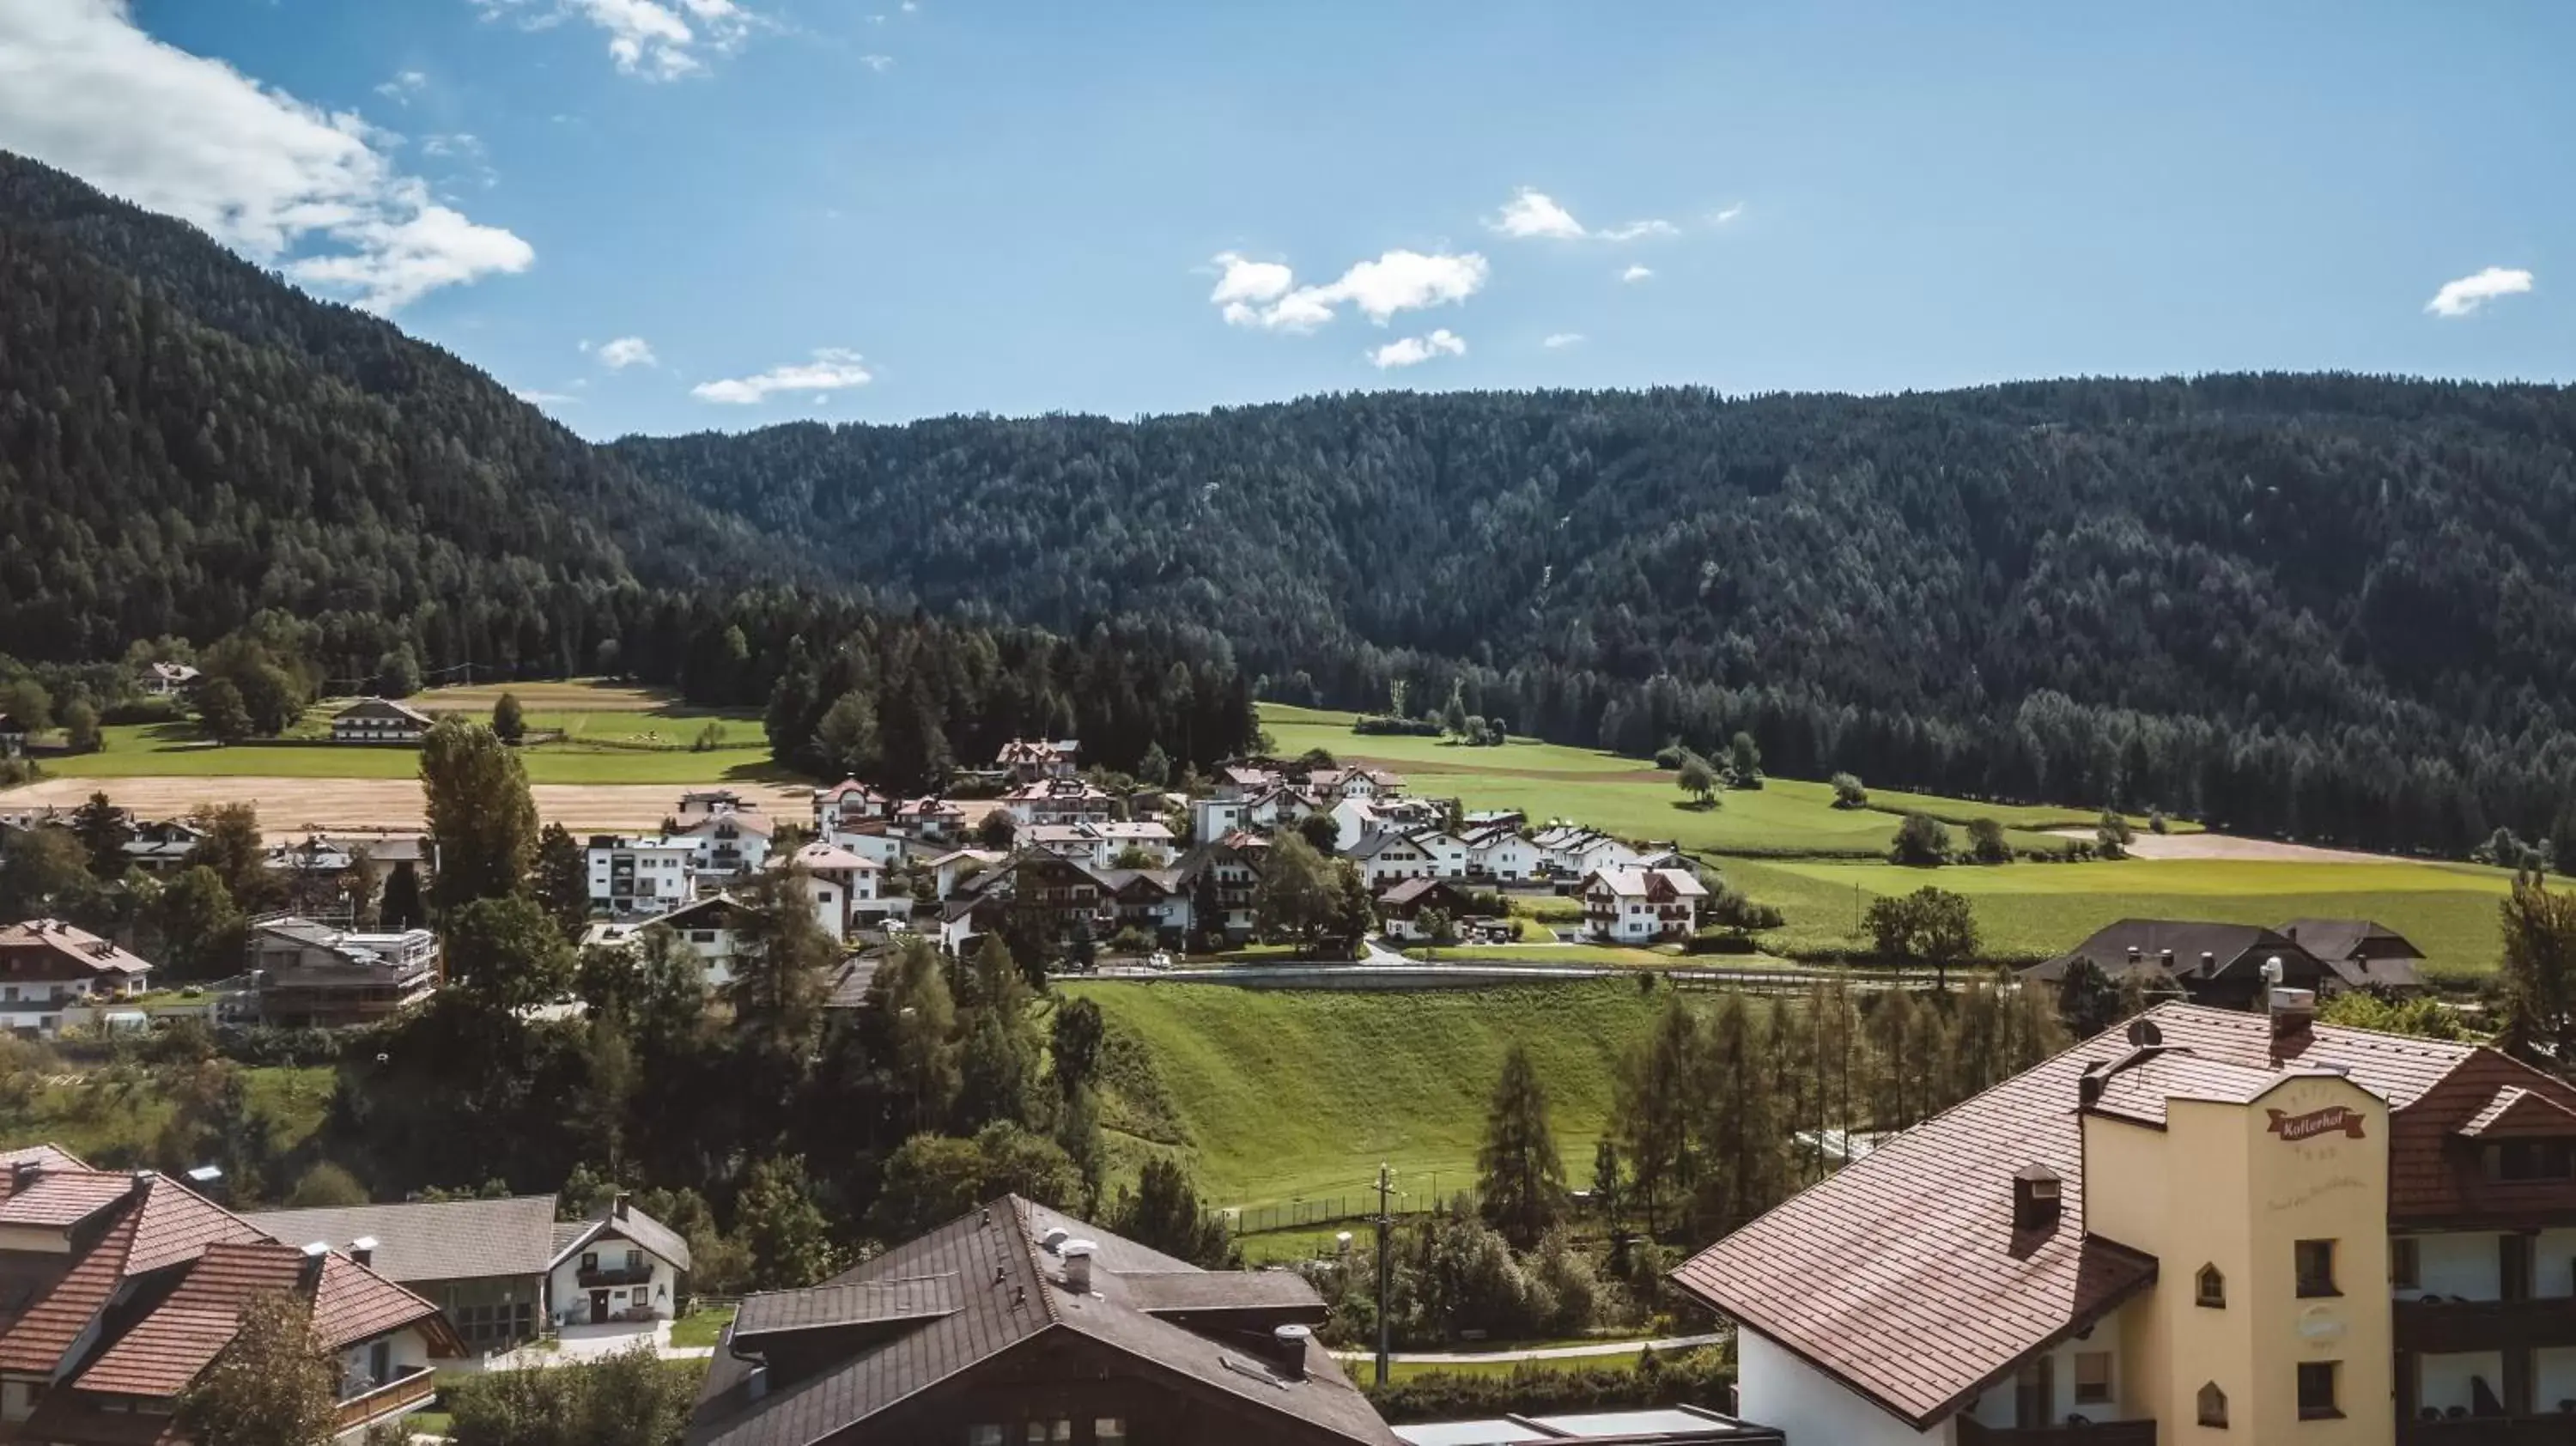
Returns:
point(599, 1307)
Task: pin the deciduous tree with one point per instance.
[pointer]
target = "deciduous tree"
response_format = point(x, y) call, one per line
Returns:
point(481, 815)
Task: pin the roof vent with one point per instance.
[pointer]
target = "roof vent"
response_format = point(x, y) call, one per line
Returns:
point(316, 1255)
point(2038, 1198)
point(1291, 1340)
point(1077, 1265)
point(23, 1173)
point(1053, 1241)
point(2088, 1088)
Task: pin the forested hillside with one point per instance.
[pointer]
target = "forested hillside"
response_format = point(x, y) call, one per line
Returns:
point(197, 457)
point(2335, 606)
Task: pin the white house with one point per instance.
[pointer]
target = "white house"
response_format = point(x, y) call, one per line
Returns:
point(708, 802)
point(1214, 818)
point(1639, 906)
point(848, 890)
point(1033, 760)
point(932, 818)
point(1500, 853)
point(950, 869)
point(1448, 851)
point(1151, 835)
point(1386, 858)
point(630, 876)
point(1059, 800)
point(379, 720)
point(1241, 781)
point(619, 1265)
point(50, 966)
point(1572, 850)
point(166, 680)
point(727, 843)
point(1360, 781)
point(849, 801)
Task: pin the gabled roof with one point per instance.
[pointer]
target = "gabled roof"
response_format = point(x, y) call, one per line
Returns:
point(69, 950)
point(181, 1335)
point(384, 709)
point(896, 1328)
point(716, 911)
point(750, 823)
point(2201, 950)
point(849, 788)
point(431, 1240)
point(1902, 1276)
point(1635, 883)
point(820, 857)
point(2514, 1113)
point(622, 1219)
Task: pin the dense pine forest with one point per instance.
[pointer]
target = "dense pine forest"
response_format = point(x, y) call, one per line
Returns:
point(2331, 607)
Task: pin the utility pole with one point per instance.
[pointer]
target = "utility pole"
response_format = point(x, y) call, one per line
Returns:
point(1385, 1182)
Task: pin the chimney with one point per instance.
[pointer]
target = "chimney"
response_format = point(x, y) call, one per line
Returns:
point(309, 1273)
point(142, 1182)
point(1291, 1341)
point(2208, 962)
point(2036, 1198)
point(2166, 961)
point(363, 1250)
point(208, 1180)
point(2294, 1011)
point(617, 1205)
point(23, 1173)
point(2088, 1088)
point(2136, 956)
point(1077, 1266)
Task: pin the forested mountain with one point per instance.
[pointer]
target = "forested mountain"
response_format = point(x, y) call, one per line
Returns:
point(2334, 606)
point(185, 440)
point(192, 449)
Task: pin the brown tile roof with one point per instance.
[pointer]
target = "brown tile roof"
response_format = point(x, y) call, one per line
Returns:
point(52, 949)
point(1008, 1290)
point(166, 1349)
point(1902, 1275)
point(36, 1341)
point(61, 1199)
point(353, 1304)
point(176, 1223)
point(2515, 1113)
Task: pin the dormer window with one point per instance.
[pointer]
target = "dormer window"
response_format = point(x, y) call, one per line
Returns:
point(2210, 1288)
point(2531, 1160)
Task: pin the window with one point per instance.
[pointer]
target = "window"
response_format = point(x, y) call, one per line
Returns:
point(2405, 1263)
point(2316, 1268)
point(1109, 1431)
point(635, 1260)
point(2532, 1160)
point(2317, 1390)
point(983, 1436)
point(2213, 1406)
point(589, 1261)
point(2092, 1378)
point(2211, 1288)
point(1043, 1432)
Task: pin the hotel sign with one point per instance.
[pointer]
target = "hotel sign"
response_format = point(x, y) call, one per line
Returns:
point(2333, 1119)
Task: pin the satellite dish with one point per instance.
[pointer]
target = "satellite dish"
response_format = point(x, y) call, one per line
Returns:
point(2144, 1034)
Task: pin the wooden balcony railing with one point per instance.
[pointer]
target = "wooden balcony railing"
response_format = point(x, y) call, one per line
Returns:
point(2442, 1327)
point(2103, 1433)
point(408, 1391)
point(602, 1276)
point(2552, 1430)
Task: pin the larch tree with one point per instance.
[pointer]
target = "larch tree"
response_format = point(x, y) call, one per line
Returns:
point(1519, 1174)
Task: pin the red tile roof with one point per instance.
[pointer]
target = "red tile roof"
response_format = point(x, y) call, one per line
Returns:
point(166, 1349)
point(1902, 1276)
point(36, 1341)
point(354, 1303)
point(61, 1199)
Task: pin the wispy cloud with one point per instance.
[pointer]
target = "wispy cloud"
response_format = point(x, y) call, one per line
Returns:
point(623, 352)
point(1412, 350)
point(1720, 218)
point(1264, 294)
point(403, 86)
point(646, 38)
point(1532, 213)
point(1558, 340)
point(878, 63)
point(832, 369)
point(279, 180)
point(2469, 293)
point(1638, 273)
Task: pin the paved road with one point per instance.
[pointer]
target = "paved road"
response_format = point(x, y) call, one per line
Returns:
point(1536, 1353)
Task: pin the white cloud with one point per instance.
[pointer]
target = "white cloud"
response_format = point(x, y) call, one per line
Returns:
point(1558, 340)
point(82, 88)
point(1720, 218)
point(1533, 213)
point(1637, 273)
point(624, 352)
point(2459, 298)
point(832, 369)
point(536, 398)
point(1407, 351)
point(1257, 293)
point(404, 85)
point(646, 38)
point(878, 63)
point(457, 143)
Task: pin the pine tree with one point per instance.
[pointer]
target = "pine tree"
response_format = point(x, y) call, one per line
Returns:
point(1520, 1176)
point(563, 879)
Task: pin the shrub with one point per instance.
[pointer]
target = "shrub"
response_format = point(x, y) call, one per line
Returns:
point(1848, 792)
point(1407, 727)
point(1922, 840)
point(1986, 842)
point(1702, 1377)
point(1721, 941)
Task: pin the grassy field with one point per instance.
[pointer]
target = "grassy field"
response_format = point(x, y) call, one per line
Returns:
point(702, 1326)
point(2034, 910)
point(588, 732)
point(1276, 1097)
point(112, 1128)
point(1633, 799)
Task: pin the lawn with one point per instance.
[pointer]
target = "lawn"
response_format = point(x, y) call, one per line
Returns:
point(1281, 1097)
point(704, 1326)
point(2031, 911)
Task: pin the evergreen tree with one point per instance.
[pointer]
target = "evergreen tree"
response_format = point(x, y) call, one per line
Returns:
point(2086, 999)
point(1164, 1214)
point(221, 714)
point(103, 833)
point(1521, 1178)
point(402, 907)
point(780, 1220)
point(506, 954)
point(509, 720)
point(481, 816)
point(563, 879)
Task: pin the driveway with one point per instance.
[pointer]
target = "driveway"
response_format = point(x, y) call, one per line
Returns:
point(591, 1342)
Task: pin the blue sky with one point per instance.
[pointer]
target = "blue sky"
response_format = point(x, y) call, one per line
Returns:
point(858, 210)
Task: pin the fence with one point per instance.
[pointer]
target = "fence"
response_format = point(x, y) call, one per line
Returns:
point(1352, 1210)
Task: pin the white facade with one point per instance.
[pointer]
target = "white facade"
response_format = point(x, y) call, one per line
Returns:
point(729, 843)
point(610, 1278)
point(1447, 851)
point(1399, 860)
point(1782, 1391)
point(1213, 818)
point(641, 875)
point(1505, 856)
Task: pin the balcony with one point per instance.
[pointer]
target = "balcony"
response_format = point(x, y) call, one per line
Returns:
point(2106, 1433)
point(408, 1391)
point(603, 1276)
point(2550, 1430)
point(2442, 1327)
